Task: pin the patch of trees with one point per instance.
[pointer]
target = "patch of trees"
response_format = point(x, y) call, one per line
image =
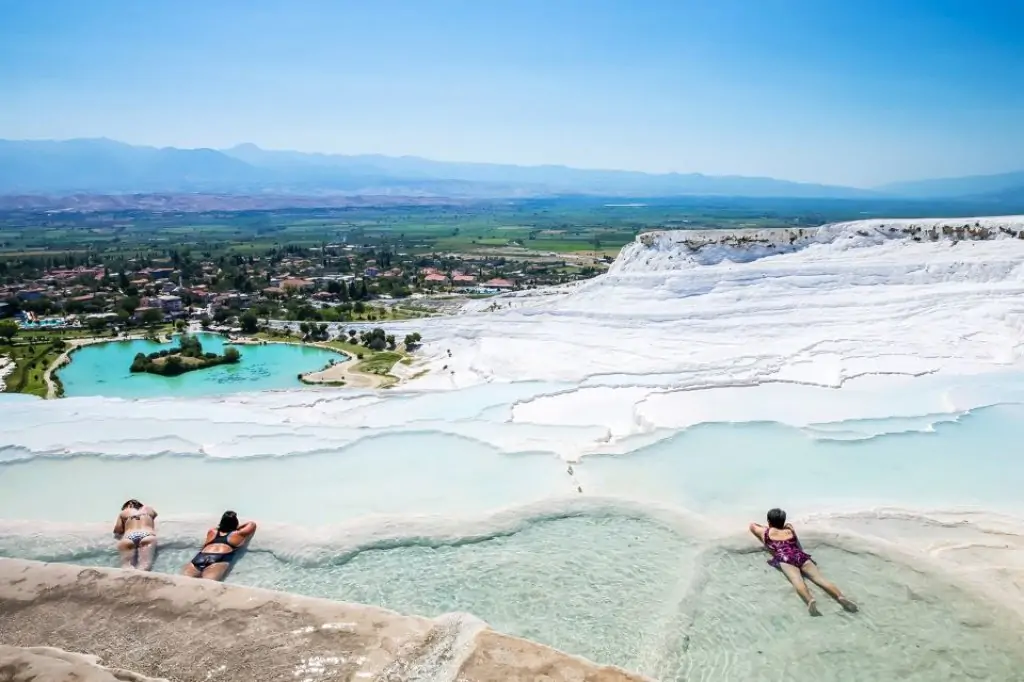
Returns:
point(188, 356)
point(8, 330)
point(96, 324)
point(412, 341)
point(249, 322)
point(314, 332)
point(377, 340)
point(357, 291)
point(152, 316)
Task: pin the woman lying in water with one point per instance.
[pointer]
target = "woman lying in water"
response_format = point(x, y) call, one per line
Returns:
point(135, 530)
point(789, 556)
point(214, 559)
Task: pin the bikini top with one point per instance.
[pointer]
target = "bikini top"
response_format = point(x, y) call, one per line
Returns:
point(137, 514)
point(221, 539)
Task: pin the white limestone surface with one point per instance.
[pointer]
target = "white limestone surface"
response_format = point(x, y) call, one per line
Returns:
point(867, 376)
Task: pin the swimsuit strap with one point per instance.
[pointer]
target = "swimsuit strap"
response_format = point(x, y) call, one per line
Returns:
point(220, 539)
point(768, 529)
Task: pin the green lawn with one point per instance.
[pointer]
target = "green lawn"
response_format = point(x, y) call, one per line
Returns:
point(30, 362)
point(561, 245)
point(352, 349)
point(373, 362)
point(373, 313)
point(369, 361)
point(48, 335)
point(379, 363)
point(403, 313)
point(33, 352)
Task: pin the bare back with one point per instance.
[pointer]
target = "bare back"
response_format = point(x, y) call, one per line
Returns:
point(220, 543)
point(215, 543)
point(139, 519)
point(781, 534)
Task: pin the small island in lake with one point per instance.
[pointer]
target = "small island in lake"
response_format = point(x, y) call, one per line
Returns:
point(187, 357)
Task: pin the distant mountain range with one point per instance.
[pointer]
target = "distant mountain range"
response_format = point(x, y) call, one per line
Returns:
point(1000, 186)
point(107, 166)
point(102, 166)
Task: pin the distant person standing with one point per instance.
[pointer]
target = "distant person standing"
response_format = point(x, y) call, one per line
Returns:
point(135, 530)
point(779, 538)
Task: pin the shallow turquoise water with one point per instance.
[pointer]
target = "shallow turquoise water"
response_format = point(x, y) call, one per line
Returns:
point(749, 467)
point(103, 370)
point(637, 594)
point(406, 521)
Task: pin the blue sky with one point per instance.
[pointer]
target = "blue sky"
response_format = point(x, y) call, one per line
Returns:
point(831, 91)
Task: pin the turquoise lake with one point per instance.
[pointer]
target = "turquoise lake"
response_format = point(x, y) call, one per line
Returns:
point(103, 370)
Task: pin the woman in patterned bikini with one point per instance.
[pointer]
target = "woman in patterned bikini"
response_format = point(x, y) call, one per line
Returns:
point(789, 556)
point(135, 530)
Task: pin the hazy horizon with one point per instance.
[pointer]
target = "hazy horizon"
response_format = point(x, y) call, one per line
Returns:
point(243, 144)
point(822, 93)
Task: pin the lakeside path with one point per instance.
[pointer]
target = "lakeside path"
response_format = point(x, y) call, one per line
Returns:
point(335, 374)
point(65, 357)
point(343, 372)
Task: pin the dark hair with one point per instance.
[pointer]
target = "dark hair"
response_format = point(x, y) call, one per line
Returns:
point(134, 504)
point(776, 518)
point(228, 522)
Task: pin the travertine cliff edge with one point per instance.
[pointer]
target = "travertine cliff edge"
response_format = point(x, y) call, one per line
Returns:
point(168, 627)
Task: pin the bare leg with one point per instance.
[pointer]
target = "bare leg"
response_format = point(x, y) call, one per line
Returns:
point(127, 550)
point(147, 553)
point(191, 571)
point(797, 580)
point(810, 569)
point(217, 571)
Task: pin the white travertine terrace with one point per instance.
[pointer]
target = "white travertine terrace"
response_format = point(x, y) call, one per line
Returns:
point(849, 332)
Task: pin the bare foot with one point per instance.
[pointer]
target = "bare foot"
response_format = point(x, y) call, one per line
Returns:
point(847, 605)
point(812, 608)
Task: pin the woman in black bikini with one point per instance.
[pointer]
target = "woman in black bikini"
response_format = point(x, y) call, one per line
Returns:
point(214, 559)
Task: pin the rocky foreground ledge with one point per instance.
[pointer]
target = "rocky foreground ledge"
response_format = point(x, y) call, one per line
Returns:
point(61, 622)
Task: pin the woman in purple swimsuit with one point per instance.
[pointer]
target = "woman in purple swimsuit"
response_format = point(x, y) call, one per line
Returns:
point(780, 539)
